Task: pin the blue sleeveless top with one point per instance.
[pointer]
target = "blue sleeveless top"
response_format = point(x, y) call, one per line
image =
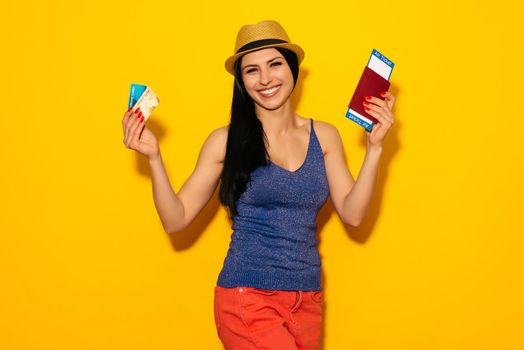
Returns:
point(273, 245)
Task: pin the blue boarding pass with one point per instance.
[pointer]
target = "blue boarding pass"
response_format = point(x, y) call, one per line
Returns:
point(380, 64)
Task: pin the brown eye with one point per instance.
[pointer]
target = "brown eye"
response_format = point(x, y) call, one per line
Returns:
point(277, 63)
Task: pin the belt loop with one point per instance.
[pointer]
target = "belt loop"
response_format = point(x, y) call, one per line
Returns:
point(298, 301)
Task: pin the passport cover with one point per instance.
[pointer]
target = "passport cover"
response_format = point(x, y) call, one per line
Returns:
point(370, 84)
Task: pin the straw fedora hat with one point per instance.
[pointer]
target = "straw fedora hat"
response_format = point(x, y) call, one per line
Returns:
point(263, 34)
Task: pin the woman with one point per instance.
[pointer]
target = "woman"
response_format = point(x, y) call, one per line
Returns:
point(276, 169)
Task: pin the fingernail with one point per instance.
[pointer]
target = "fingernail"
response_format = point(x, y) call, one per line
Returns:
point(383, 93)
point(137, 110)
point(367, 97)
point(367, 109)
point(142, 119)
point(365, 102)
point(129, 109)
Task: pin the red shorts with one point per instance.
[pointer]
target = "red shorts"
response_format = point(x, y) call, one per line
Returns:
point(250, 318)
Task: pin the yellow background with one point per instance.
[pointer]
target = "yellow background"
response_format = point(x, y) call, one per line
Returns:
point(85, 263)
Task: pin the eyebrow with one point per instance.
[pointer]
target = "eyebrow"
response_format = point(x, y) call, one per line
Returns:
point(255, 65)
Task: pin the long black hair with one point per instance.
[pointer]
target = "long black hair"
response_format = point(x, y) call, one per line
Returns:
point(246, 148)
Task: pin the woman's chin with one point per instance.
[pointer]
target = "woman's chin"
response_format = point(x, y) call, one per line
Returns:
point(270, 106)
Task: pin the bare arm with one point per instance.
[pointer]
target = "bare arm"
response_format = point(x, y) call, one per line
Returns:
point(350, 199)
point(356, 202)
point(177, 211)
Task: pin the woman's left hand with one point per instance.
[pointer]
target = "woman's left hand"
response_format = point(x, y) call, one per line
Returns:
point(380, 109)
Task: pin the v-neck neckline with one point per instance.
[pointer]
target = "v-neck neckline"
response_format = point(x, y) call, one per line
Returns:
point(307, 153)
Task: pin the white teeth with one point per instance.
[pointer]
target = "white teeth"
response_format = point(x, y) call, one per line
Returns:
point(270, 91)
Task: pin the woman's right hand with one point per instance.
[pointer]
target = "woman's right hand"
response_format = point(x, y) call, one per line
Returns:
point(137, 136)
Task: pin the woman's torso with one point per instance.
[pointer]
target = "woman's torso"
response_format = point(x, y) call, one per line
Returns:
point(273, 244)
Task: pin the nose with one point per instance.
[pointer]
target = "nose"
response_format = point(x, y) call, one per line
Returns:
point(265, 76)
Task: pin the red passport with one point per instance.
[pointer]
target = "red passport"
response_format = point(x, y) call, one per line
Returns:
point(370, 84)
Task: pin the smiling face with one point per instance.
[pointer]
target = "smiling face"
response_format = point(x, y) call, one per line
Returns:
point(267, 78)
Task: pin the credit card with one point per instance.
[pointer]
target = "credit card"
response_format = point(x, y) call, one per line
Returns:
point(141, 96)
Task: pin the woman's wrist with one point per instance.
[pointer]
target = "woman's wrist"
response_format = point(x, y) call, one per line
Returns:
point(153, 160)
point(377, 148)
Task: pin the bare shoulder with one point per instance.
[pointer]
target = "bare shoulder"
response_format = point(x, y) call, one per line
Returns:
point(219, 135)
point(216, 143)
point(327, 134)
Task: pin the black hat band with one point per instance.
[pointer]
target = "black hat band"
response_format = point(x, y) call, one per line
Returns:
point(259, 43)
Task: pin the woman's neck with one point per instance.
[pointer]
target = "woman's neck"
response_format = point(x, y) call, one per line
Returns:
point(278, 121)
